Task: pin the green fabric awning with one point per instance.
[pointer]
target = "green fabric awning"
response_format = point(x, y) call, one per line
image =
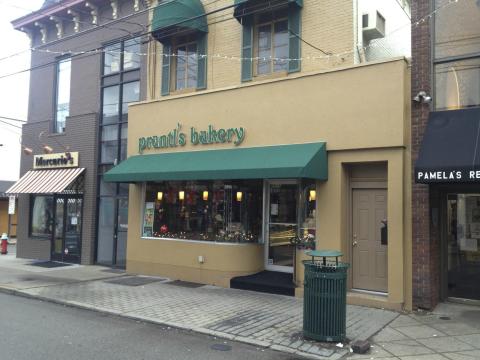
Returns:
point(270, 162)
point(248, 7)
point(170, 16)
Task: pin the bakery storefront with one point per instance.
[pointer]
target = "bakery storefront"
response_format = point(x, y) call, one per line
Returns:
point(54, 187)
point(449, 162)
point(229, 190)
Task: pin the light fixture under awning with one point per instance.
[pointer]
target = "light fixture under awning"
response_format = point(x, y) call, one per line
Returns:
point(269, 162)
point(45, 181)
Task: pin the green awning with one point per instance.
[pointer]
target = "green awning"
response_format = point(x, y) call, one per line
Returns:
point(178, 15)
point(269, 162)
point(248, 7)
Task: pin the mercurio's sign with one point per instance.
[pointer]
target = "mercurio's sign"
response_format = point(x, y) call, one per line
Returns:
point(176, 138)
point(55, 161)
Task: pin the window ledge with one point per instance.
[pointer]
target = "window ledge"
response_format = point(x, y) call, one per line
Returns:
point(200, 241)
point(56, 134)
point(183, 91)
point(274, 75)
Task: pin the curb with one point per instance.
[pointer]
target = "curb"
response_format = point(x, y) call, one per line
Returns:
point(203, 331)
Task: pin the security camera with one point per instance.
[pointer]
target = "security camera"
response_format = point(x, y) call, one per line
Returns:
point(422, 97)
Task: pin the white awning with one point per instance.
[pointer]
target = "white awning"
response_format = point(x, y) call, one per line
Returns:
point(45, 181)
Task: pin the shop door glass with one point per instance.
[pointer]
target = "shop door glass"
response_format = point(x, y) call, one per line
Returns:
point(122, 228)
point(463, 239)
point(58, 231)
point(281, 226)
point(73, 221)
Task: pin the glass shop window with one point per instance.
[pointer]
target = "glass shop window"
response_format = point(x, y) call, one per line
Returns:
point(41, 219)
point(216, 211)
point(308, 205)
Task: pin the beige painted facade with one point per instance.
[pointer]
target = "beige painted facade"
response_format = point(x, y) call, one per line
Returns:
point(360, 111)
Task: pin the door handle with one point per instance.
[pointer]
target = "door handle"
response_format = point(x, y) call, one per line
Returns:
point(355, 243)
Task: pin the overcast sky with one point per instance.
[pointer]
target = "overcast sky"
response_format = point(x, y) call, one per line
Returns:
point(13, 89)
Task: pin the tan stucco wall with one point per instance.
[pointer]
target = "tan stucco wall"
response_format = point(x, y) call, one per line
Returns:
point(361, 112)
point(326, 22)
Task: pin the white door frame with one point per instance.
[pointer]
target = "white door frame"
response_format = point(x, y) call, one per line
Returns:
point(266, 222)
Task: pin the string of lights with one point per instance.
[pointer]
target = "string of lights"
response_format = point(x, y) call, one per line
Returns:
point(230, 57)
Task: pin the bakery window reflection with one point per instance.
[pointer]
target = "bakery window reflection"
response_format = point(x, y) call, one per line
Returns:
point(217, 211)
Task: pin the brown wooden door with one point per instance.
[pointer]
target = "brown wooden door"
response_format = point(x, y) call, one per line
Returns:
point(369, 261)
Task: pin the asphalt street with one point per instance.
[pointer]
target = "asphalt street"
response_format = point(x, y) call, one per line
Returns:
point(37, 330)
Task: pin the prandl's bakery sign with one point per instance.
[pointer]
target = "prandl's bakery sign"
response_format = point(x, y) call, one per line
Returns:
point(178, 137)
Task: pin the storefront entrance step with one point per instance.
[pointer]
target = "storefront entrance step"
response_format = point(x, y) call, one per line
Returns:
point(271, 282)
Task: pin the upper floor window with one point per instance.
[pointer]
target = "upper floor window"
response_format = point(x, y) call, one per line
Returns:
point(457, 84)
point(271, 44)
point(270, 39)
point(457, 55)
point(122, 56)
point(186, 66)
point(62, 101)
point(457, 28)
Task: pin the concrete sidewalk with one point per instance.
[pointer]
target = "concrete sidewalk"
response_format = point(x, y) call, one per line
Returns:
point(265, 320)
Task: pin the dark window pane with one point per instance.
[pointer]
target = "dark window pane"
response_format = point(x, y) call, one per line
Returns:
point(457, 84)
point(131, 57)
point(109, 144)
point(181, 67)
point(123, 142)
point(123, 189)
point(264, 46)
point(41, 221)
point(106, 220)
point(131, 93)
point(112, 59)
point(110, 104)
point(107, 188)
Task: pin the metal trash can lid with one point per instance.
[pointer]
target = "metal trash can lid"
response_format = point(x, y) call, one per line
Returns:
point(324, 253)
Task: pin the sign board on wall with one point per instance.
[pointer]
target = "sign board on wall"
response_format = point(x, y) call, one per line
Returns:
point(55, 161)
point(11, 205)
point(206, 136)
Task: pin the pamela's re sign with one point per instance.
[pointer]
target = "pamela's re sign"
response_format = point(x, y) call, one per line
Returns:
point(55, 161)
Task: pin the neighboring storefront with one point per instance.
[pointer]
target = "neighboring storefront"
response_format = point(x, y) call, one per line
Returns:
point(55, 196)
point(221, 182)
point(449, 162)
point(445, 151)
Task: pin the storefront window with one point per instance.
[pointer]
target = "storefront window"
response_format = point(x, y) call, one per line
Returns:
point(308, 201)
point(219, 211)
point(463, 230)
point(41, 219)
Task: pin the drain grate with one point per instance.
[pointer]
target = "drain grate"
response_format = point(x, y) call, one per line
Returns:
point(133, 280)
point(445, 318)
point(49, 264)
point(186, 284)
point(221, 347)
point(114, 271)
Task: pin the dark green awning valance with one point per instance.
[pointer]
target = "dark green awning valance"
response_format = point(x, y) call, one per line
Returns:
point(270, 162)
point(170, 16)
point(247, 7)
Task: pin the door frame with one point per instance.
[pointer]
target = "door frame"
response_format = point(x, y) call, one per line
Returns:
point(266, 222)
point(360, 185)
point(62, 257)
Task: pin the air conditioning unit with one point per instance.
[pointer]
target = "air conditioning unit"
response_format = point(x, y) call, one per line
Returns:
point(373, 25)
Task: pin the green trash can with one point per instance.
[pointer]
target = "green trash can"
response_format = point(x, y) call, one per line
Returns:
point(325, 296)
